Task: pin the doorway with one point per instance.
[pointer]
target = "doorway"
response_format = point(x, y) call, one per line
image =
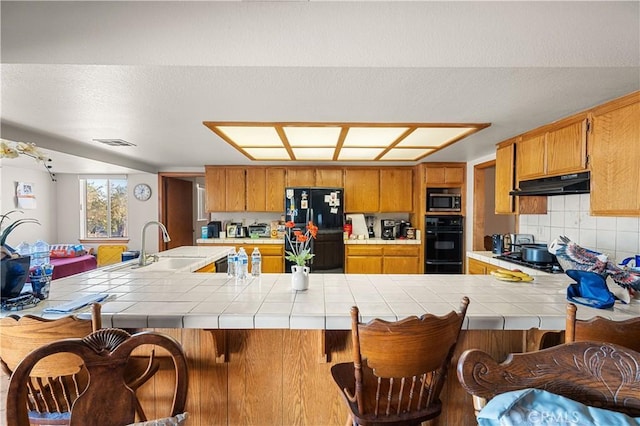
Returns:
point(485, 221)
point(179, 208)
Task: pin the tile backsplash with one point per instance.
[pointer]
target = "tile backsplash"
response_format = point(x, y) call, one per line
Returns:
point(618, 237)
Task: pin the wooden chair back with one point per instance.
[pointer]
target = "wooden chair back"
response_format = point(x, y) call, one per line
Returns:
point(624, 333)
point(106, 400)
point(399, 367)
point(602, 375)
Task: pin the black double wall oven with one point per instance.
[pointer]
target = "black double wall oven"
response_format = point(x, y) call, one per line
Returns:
point(443, 244)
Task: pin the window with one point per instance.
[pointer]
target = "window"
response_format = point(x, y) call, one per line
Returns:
point(202, 211)
point(104, 212)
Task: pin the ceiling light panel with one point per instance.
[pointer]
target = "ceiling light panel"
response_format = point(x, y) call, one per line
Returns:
point(373, 136)
point(312, 136)
point(256, 136)
point(268, 153)
point(320, 154)
point(364, 154)
point(433, 136)
point(405, 154)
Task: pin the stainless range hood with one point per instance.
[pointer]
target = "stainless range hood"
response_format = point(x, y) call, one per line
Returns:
point(575, 183)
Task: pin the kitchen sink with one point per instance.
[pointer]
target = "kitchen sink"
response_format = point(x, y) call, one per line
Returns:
point(162, 264)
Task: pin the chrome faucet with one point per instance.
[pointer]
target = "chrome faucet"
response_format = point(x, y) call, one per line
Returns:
point(143, 252)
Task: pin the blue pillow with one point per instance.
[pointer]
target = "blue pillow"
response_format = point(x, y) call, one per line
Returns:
point(539, 407)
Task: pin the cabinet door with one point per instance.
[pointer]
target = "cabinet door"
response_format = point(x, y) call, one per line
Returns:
point(256, 189)
point(235, 190)
point(444, 175)
point(400, 265)
point(215, 184)
point(330, 178)
point(361, 190)
point(504, 203)
point(567, 148)
point(275, 184)
point(363, 265)
point(614, 157)
point(302, 176)
point(396, 190)
point(273, 264)
point(475, 267)
point(530, 157)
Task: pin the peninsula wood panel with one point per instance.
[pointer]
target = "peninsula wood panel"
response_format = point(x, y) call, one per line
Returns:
point(396, 190)
point(614, 158)
point(276, 377)
point(361, 190)
point(330, 178)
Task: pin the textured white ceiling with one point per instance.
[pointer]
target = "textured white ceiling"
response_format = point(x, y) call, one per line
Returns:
point(152, 72)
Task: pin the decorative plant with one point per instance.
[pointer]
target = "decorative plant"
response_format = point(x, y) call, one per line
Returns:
point(13, 225)
point(9, 149)
point(300, 243)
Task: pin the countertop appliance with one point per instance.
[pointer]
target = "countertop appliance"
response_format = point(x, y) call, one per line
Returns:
point(262, 230)
point(403, 226)
point(213, 229)
point(497, 244)
point(323, 206)
point(370, 222)
point(441, 202)
point(388, 229)
point(236, 230)
point(443, 244)
point(517, 240)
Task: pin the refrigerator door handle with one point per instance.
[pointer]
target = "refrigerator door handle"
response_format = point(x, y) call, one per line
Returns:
point(310, 215)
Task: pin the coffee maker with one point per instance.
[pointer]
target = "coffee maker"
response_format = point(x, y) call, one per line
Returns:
point(402, 228)
point(370, 220)
point(388, 229)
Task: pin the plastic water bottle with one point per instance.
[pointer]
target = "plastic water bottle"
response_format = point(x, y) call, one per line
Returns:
point(231, 263)
point(24, 249)
point(243, 264)
point(40, 254)
point(256, 262)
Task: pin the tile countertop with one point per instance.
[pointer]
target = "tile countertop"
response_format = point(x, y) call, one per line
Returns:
point(167, 299)
point(281, 241)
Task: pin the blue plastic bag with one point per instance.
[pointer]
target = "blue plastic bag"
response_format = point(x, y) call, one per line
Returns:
point(590, 289)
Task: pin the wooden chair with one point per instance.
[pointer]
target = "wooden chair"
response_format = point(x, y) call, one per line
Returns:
point(57, 381)
point(624, 333)
point(399, 367)
point(106, 400)
point(596, 374)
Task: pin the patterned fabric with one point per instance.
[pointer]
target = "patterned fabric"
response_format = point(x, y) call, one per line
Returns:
point(167, 421)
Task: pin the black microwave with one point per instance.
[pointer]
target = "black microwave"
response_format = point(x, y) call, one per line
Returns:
point(439, 202)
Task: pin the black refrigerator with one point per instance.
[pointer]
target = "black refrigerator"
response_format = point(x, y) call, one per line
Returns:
point(325, 207)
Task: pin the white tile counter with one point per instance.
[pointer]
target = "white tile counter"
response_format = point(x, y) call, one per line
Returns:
point(166, 299)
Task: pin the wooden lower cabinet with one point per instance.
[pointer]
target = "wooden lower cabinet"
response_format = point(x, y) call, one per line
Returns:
point(382, 259)
point(477, 267)
point(211, 267)
point(272, 255)
point(283, 376)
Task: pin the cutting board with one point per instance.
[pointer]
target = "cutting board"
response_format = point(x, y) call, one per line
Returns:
point(359, 225)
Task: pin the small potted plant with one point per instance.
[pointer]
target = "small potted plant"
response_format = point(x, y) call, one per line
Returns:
point(14, 267)
point(300, 253)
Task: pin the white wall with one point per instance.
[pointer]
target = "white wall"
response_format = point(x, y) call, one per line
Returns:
point(568, 215)
point(46, 204)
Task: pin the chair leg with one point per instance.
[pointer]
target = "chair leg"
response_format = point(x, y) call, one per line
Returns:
point(350, 421)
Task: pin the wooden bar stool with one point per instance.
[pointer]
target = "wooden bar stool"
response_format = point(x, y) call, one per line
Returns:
point(624, 333)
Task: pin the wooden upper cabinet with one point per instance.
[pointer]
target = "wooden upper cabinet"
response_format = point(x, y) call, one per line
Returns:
point(567, 147)
point(530, 156)
point(301, 176)
point(215, 184)
point(439, 175)
point(256, 189)
point(614, 156)
point(275, 189)
point(396, 190)
point(329, 178)
point(361, 190)
point(235, 187)
point(505, 156)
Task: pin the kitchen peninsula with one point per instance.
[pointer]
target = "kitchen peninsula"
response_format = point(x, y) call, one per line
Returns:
point(261, 353)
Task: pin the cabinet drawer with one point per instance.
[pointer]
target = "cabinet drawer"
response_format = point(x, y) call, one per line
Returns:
point(266, 249)
point(363, 250)
point(399, 250)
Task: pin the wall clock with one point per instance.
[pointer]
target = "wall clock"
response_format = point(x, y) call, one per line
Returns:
point(142, 191)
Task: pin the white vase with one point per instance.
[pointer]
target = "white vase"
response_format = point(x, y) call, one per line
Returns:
point(299, 277)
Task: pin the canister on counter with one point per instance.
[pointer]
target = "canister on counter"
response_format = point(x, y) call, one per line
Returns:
point(411, 233)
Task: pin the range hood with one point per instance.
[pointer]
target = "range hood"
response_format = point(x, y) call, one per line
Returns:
point(576, 183)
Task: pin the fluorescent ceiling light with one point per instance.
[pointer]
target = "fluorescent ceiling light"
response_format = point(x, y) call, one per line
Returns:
point(341, 141)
